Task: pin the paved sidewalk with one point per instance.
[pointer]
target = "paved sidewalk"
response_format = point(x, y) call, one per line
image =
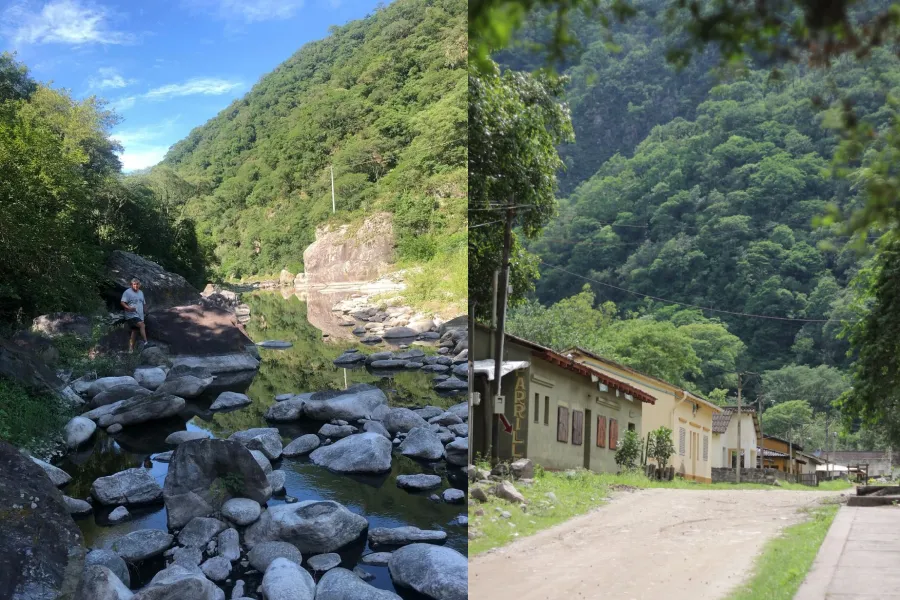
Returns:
point(859, 559)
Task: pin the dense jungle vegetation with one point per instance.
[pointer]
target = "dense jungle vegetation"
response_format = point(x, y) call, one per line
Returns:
point(382, 101)
point(713, 188)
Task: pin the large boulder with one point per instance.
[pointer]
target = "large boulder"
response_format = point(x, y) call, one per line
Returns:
point(62, 323)
point(119, 392)
point(302, 445)
point(387, 537)
point(41, 548)
point(219, 363)
point(360, 453)
point(178, 582)
point(422, 443)
point(346, 253)
point(263, 554)
point(457, 452)
point(199, 531)
point(20, 363)
point(359, 401)
point(227, 400)
point(285, 580)
point(141, 544)
point(286, 411)
point(106, 383)
point(341, 584)
point(241, 511)
point(186, 386)
point(314, 527)
point(203, 471)
point(150, 377)
point(418, 482)
point(161, 288)
point(57, 476)
point(401, 420)
point(139, 409)
point(433, 571)
point(78, 431)
point(111, 561)
point(265, 439)
point(131, 486)
point(99, 583)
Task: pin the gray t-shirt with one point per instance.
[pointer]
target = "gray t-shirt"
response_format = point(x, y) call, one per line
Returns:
point(134, 299)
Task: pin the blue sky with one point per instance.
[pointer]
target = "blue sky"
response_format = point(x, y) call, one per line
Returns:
point(166, 66)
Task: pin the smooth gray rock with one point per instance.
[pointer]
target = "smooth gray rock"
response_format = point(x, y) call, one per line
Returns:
point(400, 332)
point(336, 432)
point(376, 427)
point(276, 480)
point(188, 557)
point(435, 368)
point(57, 476)
point(186, 386)
point(119, 392)
point(274, 344)
point(262, 461)
point(78, 431)
point(429, 412)
point(178, 582)
point(376, 559)
point(200, 471)
point(388, 364)
point(131, 486)
point(283, 397)
point(241, 511)
point(302, 445)
point(323, 562)
point(114, 429)
point(265, 439)
point(139, 409)
point(359, 401)
point(453, 496)
point(119, 514)
point(419, 482)
point(461, 430)
point(141, 544)
point(263, 554)
point(315, 527)
point(360, 453)
point(422, 443)
point(199, 531)
point(446, 419)
point(285, 580)
point(457, 452)
point(434, 571)
point(105, 383)
point(182, 369)
point(363, 574)
point(100, 583)
point(179, 437)
point(452, 384)
point(401, 420)
point(230, 400)
point(388, 537)
point(228, 544)
point(150, 377)
point(461, 410)
point(162, 457)
point(349, 358)
point(341, 584)
point(286, 411)
point(216, 568)
point(77, 508)
point(111, 561)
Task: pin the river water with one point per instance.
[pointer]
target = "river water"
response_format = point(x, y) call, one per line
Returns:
point(306, 366)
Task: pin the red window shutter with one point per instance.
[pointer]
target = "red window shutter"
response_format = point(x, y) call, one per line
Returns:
point(562, 424)
point(613, 434)
point(601, 432)
point(577, 427)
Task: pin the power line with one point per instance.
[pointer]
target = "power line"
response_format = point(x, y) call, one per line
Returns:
point(706, 308)
point(486, 224)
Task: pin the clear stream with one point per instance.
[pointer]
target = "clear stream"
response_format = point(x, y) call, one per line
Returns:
point(305, 367)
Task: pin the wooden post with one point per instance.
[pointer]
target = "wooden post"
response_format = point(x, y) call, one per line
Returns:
point(737, 473)
point(503, 290)
point(471, 365)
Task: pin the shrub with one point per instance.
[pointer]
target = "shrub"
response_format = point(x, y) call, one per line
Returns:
point(629, 451)
point(661, 446)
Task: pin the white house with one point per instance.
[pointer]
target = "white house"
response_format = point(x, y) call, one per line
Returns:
point(725, 436)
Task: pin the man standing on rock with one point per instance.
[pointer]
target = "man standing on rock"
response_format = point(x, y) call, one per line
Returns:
point(133, 302)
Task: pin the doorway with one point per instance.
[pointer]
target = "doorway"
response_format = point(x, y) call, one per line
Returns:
point(587, 438)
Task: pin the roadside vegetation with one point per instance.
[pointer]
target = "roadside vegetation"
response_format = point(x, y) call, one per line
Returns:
point(785, 560)
point(30, 420)
point(555, 497)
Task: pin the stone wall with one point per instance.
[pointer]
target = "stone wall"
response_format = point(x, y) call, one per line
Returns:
point(766, 476)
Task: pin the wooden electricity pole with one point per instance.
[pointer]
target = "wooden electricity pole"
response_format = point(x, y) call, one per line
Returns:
point(737, 472)
point(503, 291)
point(332, 190)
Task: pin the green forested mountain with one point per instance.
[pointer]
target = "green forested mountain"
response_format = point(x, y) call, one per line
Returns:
point(382, 100)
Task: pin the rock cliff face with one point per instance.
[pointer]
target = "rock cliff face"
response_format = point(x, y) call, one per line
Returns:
point(161, 288)
point(345, 253)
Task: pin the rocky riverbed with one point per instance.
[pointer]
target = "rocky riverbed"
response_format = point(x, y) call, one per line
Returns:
point(308, 480)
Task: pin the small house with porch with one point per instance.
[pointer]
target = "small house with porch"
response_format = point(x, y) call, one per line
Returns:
point(725, 438)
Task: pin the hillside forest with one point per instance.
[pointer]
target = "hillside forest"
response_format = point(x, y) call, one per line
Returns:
point(697, 228)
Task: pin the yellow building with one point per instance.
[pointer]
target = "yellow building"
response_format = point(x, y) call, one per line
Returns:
point(687, 415)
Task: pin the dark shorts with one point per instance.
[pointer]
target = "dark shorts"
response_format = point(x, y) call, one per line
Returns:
point(134, 323)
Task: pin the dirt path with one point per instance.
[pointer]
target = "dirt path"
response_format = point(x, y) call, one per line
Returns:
point(648, 544)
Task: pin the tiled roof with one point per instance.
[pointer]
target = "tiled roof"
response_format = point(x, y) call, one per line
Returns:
point(720, 421)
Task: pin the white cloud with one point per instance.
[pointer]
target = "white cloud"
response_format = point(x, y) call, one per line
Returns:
point(206, 86)
point(122, 103)
point(59, 22)
point(249, 11)
point(144, 146)
point(109, 78)
point(141, 159)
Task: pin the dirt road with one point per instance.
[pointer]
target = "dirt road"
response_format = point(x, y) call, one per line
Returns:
point(649, 544)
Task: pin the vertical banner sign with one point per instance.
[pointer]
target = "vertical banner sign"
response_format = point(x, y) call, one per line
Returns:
point(520, 432)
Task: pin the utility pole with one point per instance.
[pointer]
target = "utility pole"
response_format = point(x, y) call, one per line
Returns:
point(762, 439)
point(503, 290)
point(332, 190)
point(740, 454)
point(471, 365)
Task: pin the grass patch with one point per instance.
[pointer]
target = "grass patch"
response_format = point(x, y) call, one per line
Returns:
point(30, 420)
point(576, 493)
point(785, 560)
point(440, 285)
point(77, 354)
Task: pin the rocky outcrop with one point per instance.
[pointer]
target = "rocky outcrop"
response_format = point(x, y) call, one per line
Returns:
point(62, 323)
point(433, 571)
point(41, 548)
point(161, 288)
point(340, 584)
point(263, 554)
point(360, 453)
point(314, 527)
point(382, 537)
point(179, 583)
point(131, 486)
point(345, 254)
point(196, 465)
point(359, 401)
point(100, 583)
point(285, 579)
point(140, 409)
